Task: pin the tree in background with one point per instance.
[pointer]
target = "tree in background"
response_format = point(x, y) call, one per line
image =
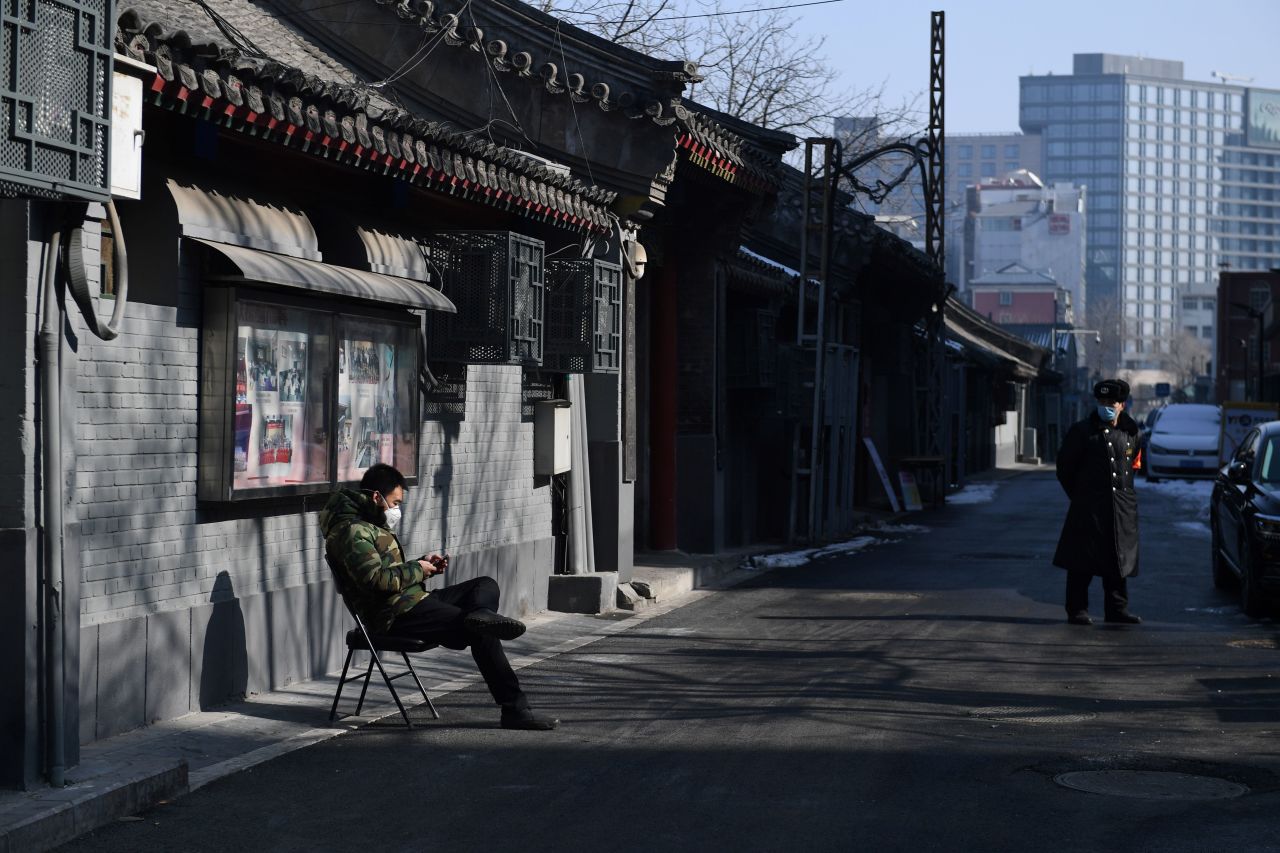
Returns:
point(755, 67)
point(1187, 359)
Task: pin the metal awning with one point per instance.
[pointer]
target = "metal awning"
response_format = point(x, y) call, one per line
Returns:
point(315, 276)
point(990, 349)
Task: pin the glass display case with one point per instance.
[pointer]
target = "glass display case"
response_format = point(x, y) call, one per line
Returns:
point(300, 395)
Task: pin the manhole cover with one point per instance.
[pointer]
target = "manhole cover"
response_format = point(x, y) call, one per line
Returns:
point(879, 596)
point(1256, 643)
point(1150, 784)
point(1013, 714)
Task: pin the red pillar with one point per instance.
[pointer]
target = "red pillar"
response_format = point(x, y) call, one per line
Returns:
point(663, 380)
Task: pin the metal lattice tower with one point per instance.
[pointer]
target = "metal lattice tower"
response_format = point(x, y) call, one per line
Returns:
point(931, 364)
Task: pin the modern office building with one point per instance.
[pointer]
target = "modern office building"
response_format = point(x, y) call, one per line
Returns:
point(1016, 221)
point(1183, 179)
point(974, 158)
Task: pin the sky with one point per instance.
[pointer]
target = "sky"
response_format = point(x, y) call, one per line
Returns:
point(990, 43)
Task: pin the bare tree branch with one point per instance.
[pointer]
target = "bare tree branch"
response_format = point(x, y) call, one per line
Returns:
point(755, 66)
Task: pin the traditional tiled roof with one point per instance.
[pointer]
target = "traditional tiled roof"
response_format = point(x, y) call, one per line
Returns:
point(724, 146)
point(753, 272)
point(313, 103)
point(615, 79)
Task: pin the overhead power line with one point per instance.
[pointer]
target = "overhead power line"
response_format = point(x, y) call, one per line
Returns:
point(722, 14)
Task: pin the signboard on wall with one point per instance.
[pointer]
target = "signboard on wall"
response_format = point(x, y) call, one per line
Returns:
point(1237, 420)
point(1059, 223)
point(1263, 111)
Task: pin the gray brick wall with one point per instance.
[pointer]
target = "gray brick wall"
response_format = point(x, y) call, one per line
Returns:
point(148, 549)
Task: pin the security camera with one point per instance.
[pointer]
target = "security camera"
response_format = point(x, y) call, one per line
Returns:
point(637, 258)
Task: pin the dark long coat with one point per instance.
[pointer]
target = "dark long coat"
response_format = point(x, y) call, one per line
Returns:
point(1095, 468)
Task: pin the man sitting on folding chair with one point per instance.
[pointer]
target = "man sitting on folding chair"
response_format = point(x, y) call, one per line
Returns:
point(388, 593)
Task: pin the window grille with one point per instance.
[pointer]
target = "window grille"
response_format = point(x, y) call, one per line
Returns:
point(584, 317)
point(534, 388)
point(495, 278)
point(55, 97)
point(447, 399)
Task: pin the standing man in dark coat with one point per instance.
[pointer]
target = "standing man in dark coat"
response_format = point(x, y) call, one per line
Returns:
point(1100, 535)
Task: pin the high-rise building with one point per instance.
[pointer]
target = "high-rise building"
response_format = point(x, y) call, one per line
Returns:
point(1017, 221)
point(1183, 179)
point(973, 158)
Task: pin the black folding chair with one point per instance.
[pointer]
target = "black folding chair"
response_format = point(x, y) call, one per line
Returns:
point(360, 639)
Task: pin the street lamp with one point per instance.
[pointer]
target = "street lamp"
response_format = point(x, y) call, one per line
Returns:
point(1258, 314)
point(1054, 332)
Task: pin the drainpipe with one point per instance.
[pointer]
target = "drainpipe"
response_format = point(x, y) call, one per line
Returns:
point(51, 463)
point(581, 533)
point(51, 485)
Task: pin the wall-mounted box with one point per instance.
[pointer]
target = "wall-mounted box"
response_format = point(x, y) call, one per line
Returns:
point(551, 435)
point(126, 126)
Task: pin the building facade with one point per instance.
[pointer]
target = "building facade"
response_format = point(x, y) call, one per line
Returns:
point(975, 158)
point(1181, 183)
point(1245, 361)
point(1018, 295)
point(1017, 222)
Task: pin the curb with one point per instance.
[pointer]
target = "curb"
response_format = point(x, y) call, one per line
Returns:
point(85, 806)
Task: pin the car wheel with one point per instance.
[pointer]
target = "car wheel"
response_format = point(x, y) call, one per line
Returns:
point(1152, 478)
point(1222, 575)
point(1252, 601)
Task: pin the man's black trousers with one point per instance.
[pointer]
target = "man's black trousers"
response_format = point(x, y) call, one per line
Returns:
point(438, 619)
point(1115, 591)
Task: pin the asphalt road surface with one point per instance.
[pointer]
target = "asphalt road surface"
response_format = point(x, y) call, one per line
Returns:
point(921, 694)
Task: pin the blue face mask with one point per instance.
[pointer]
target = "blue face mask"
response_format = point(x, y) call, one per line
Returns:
point(1107, 413)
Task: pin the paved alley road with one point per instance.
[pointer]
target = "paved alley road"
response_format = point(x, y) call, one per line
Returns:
point(918, 695)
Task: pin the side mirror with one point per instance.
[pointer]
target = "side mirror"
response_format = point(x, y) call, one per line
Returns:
point(1238, 472)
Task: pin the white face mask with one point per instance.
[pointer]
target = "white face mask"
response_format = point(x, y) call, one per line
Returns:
point(392, 512)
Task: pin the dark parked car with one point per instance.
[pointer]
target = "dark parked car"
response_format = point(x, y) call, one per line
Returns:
point(1244, 514)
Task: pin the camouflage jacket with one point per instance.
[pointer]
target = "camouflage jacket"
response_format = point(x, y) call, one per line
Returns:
point(379, 584)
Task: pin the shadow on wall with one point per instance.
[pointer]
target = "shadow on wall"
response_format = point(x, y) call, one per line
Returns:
point(224, 671)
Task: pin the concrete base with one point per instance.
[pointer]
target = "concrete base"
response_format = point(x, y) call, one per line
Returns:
point(595, 592)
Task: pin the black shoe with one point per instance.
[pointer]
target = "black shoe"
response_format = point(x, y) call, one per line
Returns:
point(524, 719)
point(1125, 618)
point(1080, 618)
point(486, 623)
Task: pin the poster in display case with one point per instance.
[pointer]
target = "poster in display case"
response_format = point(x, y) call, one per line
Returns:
point(301, 395)
point(281, 433)
point(377, 397)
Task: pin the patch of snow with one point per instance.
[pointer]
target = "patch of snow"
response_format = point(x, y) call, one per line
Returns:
point(1216, 611)
point(900, 528)
point(1196, 528)
point(1191, 497)
point(785, 560)
point(770, 261)
point(792, 559)
point(974, 493)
